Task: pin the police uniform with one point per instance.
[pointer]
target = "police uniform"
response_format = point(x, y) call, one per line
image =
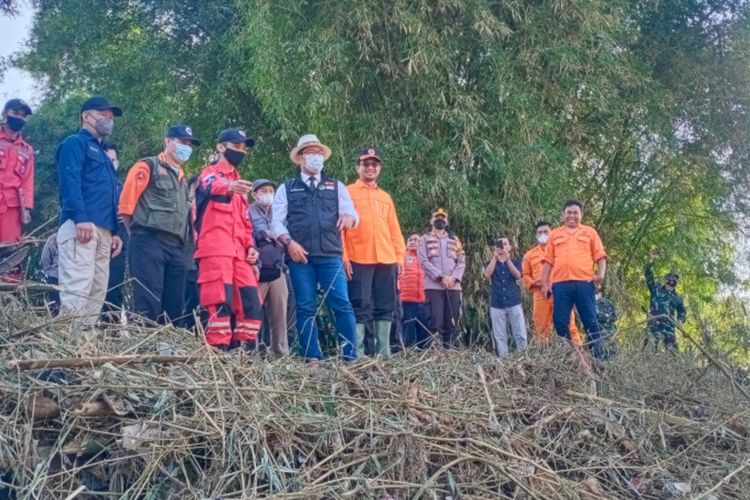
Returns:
point(442, 256)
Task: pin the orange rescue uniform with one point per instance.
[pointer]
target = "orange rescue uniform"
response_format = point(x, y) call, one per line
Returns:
point(373, 242)
point(573, 255)
point(16, 185)
point(531, 274)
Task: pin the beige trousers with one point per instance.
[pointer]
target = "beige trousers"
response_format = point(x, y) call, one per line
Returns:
point(275, 296)
point(84, 273)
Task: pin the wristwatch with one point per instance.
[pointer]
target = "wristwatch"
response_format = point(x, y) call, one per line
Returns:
point(286, 241)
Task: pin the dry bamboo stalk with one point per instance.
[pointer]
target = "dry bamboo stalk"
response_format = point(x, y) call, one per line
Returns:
point(35, 364)
point(670, 419)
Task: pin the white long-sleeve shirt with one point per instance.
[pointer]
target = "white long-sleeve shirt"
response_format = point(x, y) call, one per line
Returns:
point(280, 205)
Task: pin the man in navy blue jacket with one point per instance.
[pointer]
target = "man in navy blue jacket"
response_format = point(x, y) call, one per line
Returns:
point(89, 194)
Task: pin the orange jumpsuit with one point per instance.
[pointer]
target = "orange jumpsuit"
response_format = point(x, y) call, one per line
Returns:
point(16, 185)
point(228, 285)
point(531, 273)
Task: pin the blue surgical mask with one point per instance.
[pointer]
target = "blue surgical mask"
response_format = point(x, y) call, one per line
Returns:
point(314, 162)
point(182, 152)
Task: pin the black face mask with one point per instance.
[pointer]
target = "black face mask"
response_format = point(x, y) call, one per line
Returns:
point(15, 123)
point(440, 224)
point(234, 157)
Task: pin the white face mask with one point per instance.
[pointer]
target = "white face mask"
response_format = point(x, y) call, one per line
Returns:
point(542, 238)
point(314, 162)
point(265, 199)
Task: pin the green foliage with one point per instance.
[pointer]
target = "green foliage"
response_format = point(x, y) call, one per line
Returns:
point(497, 110)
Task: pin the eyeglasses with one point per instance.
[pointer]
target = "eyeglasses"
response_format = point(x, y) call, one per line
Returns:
point(367, 164)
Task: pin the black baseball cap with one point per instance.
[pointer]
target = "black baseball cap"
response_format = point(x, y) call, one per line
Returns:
point(182, 131)
point(16, 104)
point(368, 153)
point(99, 103)
point(235, 136)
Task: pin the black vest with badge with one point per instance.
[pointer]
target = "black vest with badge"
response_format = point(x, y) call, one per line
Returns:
point(165, 204)
point(313, 215)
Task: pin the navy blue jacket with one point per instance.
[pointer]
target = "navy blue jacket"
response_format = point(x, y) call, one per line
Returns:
point(504, 291)
point(89, 187)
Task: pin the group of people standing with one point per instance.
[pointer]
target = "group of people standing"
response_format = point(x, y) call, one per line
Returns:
point(203, 239)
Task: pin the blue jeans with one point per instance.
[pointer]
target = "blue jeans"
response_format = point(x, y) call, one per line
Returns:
point(582, 295)
point(415, 321)
point(329, 272)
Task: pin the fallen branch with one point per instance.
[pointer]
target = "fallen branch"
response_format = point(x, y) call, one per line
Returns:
point(35, 364)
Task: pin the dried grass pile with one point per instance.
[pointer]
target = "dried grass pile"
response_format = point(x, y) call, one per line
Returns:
point(424, 425)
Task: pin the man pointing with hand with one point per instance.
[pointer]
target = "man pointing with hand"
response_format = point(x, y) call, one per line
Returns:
point(225, 250)
point(309, 212)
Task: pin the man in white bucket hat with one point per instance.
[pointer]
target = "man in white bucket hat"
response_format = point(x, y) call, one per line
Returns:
point(309, 212)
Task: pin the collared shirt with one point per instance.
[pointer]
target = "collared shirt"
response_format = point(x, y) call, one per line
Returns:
point(504, 290)
point(441, 256)
point(89, 187)
point(137, 181)
point(281, 205)
point(16, 172)
point(531, 271)
point(377, 239)
point(573, 255)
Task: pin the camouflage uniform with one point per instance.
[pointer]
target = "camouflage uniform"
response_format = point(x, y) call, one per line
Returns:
point(663, 303)
point(606, 314)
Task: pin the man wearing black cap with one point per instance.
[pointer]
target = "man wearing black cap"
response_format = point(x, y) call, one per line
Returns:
point(225, 249)
point(274, 291)
point(16, 172)
point(155, 208)
point(665, 306)
point(374, 253)
point(89, 193)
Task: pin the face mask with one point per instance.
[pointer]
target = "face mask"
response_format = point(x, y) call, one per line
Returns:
point(234, 157)
point(265, 199)
point(182, 152)
point(104, 127)
point(314, 163)
point(542, 239)
point(440, 224)
point(15, 123)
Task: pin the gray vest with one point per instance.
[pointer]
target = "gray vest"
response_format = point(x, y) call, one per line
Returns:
point(165, 204)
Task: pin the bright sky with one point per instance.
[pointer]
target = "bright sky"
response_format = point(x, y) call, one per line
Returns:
point(15, 30)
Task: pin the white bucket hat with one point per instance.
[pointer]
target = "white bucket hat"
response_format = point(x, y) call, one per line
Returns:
point(306, 141)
